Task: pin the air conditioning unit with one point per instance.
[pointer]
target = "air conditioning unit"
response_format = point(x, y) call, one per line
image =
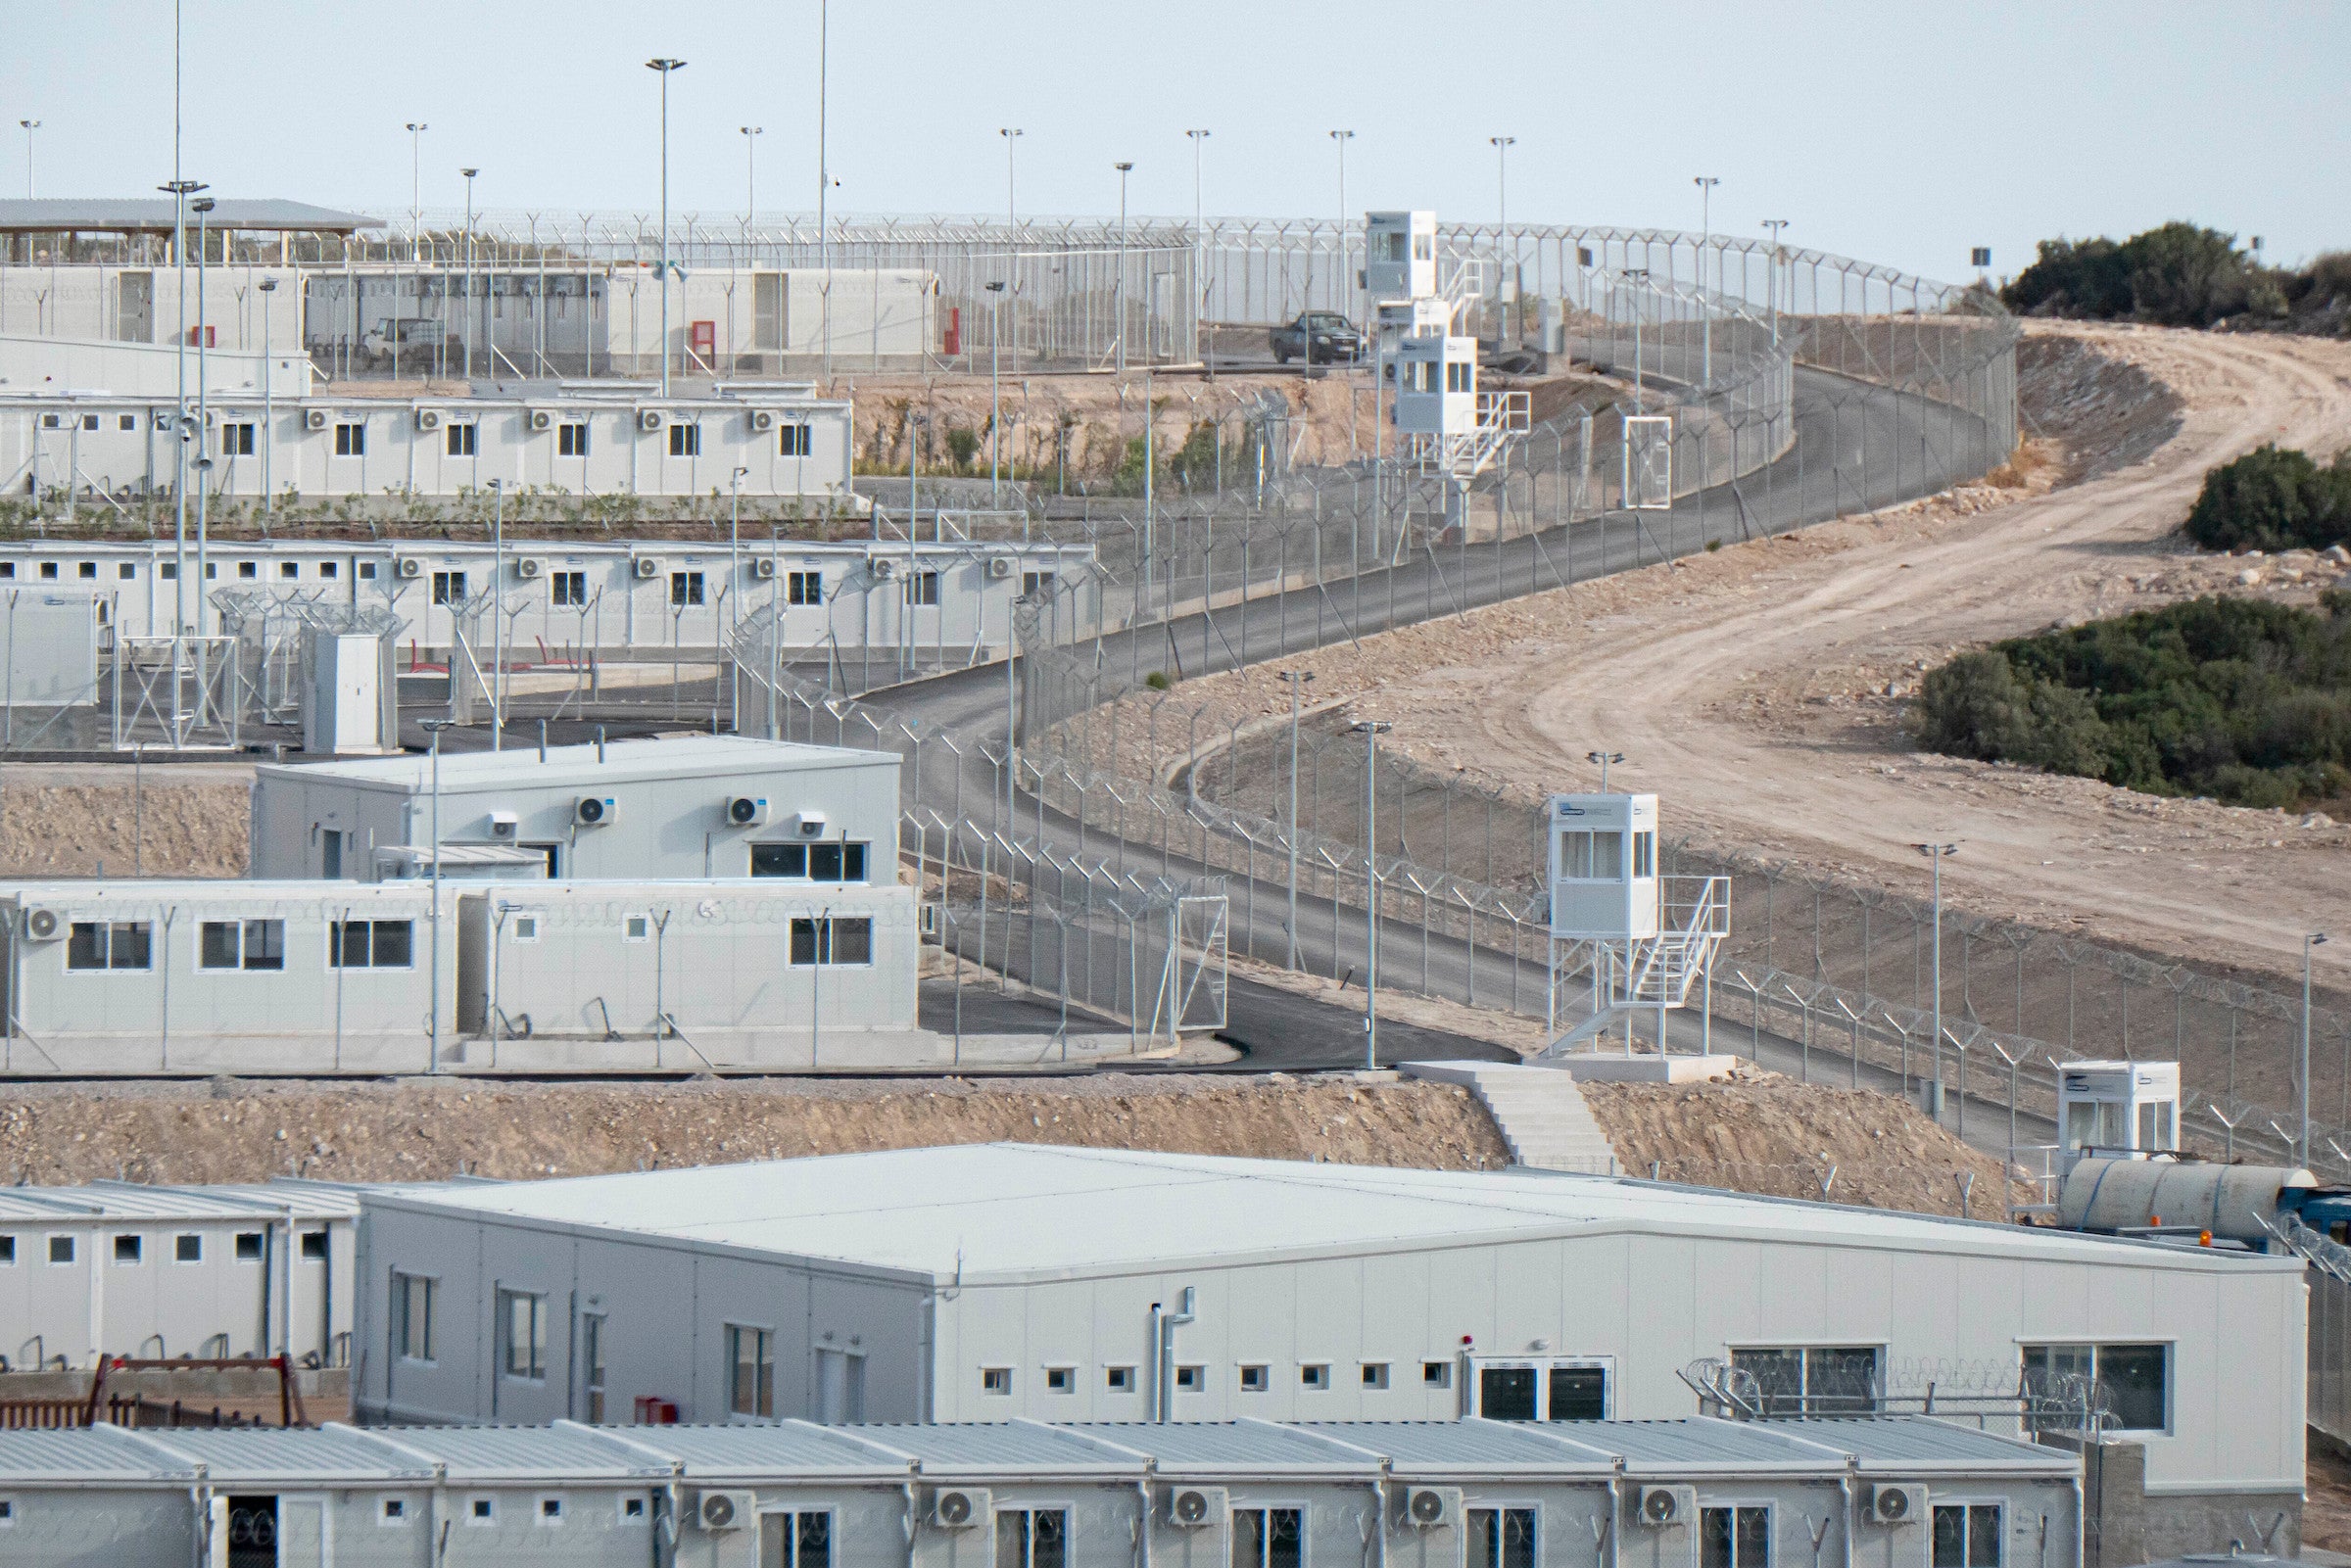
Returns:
point(763, 421)
point(883, 567)
point(407, 567)
point(43, 924)
point(1667, 1505)
point(810, 824)
point(746, 811)
point(1195, 1508)
point(504, 824)
point(1433, 1507)
point(541, 422)
point(999, 567)
point(313, 418)
point(960, 1507)
point(726, 1510)
point(763, 568)
point(646, 567)
point(593, 811)
point(428, 418)
point(1898, 1505)
point(530, 568)
point(650, 419)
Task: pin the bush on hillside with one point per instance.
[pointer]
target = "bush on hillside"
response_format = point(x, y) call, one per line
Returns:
point(2177, 275)
point(2273, 499)
point(2241, 701)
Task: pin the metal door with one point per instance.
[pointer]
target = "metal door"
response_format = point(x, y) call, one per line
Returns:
point(134, 308)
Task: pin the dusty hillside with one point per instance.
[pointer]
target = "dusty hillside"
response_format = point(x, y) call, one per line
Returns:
point(67, 819)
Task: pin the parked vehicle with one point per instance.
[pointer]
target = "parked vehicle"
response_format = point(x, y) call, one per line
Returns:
point(419, 339)
point(1319, 337)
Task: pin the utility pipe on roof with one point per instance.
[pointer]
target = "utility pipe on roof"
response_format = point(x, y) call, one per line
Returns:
point(913, 1523)
point(1844, 1484)
point(1143, 1524)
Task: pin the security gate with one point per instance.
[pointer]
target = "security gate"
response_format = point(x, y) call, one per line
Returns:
point(1648, 462)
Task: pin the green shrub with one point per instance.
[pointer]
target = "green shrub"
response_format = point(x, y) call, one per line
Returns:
point(2242, 700)
point(2177, 275)
point(2272, 498)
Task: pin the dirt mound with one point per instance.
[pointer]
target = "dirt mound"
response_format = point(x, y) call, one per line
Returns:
point(67, 820)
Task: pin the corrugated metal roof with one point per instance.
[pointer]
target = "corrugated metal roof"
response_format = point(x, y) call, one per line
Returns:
point(274, 1453)
point(998, 1447)
point(625, 761)
point(535, 1452)
point(1699, 1442)
point(1485, 1447)
point(798, 1447)
point(99, 1453)
point(1221, 1446)
point(128, 1202)
point(154, 215)
point(1008, 1212)
point(1922, 1442)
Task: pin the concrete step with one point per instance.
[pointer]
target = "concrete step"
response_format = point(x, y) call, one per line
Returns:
point(1539, 1111)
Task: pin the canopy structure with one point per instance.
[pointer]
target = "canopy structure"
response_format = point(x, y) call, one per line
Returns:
point(155, 215)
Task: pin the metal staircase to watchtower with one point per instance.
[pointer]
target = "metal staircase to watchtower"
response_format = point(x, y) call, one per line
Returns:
point(1655, 973)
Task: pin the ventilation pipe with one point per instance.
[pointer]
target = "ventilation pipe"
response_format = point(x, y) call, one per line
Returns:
point(1164, 1325)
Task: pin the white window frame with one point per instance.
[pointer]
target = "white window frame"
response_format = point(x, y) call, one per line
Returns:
point(2171, 1363)
point(542, 1516)
point(791, 1531)
point(1485, 1504)
point(1067, 1371)
point(1306, 1524)
point(72, 1240)
point(479, 1517)
point(179, 1236)
point(1969, 1501)
point(1771, 1525)
point(1541, 1367)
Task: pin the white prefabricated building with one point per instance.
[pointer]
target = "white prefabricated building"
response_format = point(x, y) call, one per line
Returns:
point(119, 1269)
point(681, 809)
point(563, 599)
point(1871, 1494)
point(1004, 1281)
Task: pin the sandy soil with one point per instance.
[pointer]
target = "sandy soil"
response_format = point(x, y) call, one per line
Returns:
point(67, 820)
point(2326, 1508)
point(1760, 689)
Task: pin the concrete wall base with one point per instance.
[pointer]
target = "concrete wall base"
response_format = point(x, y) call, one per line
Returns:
point(1603, 1067)
point(2122, 1525)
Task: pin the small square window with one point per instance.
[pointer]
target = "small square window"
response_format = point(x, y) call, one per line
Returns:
point(8, 1512)
point(313, 1246)
point(8, 568)
point(1254, 1380)
point(49, 571)
point(637, 928)
point(1375, 1374)
point(395, 1511)
point(526, 927)
point(187, 1248)
point(1119, 1379)
point(1436, 1374)
point(127, 421)
point(289, 568)
point(995, 1380)
point(1315, 1375)
point(8, 1251)
point(367, 571)
point(632, 1507)
point(129, 1249)
point(61, 1248)
point(327, 569)
point(249, 568)
point(484, 1511)
point(87, 570)
point(249, 1246)
point(126, 572)
point(1061, 1379)
point(550, 1510)
point(1191, 1379)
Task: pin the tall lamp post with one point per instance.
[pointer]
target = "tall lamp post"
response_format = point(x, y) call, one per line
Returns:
point(1775, 224)
point(30, 125)
point(1935, 853)
point(2313, 939)
point(202, 206)
point(1346, 277)
point(497, 612)
point(1706, 184)
point(1370, 730)
point(1199, 246)
point(1603, 758)
point(664, 64)
point(433, 728)
point(268, 287)
point(1298, 680)
point(1502, 220)
point(1119, 295)
point(996, 398)
point(416, 131)
point(471, 326)
point(1012, 225)
point(751, 173)
point(179, 190)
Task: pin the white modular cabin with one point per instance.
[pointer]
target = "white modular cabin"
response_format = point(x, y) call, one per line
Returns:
point(1599, 1495)
point(121, 1268)
point(682, 809)
point(989, 1283)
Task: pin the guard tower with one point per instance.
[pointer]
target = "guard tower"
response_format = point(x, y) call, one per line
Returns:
point(1400, 257)
point(1446, 427)
point(2129, 1109)
point(1651, 939)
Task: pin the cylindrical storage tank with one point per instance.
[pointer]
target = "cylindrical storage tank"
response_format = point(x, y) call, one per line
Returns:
point(2229, 1201)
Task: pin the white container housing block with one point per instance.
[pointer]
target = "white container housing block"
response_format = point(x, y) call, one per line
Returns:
point(636, 810)
point(121, 1268)
point(599, 975)
point(998, 1282)
point(349, 694)
point(1400, 256)
point(1604, 867)
point(1436, 386)
point(2117, 1108)
point(216, 977)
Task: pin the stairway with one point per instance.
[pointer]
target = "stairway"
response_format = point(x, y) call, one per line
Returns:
point(1540, 1112)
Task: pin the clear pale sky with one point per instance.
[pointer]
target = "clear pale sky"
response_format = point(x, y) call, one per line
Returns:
point(1899, 133)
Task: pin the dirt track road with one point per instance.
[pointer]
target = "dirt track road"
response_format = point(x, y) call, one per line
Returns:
point(1758, 691)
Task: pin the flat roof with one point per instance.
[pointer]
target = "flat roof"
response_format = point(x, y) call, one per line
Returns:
point(625, 762)
point(799, 1451)
point(128, 1202)
point(151, 214)
point(1004, 1213)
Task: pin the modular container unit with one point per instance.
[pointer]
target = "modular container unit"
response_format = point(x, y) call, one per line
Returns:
point(566, 599)
point(121, 1268)
point(682, 809)
point(192, 977)
point(1000, 1281)
point(1247, 1495)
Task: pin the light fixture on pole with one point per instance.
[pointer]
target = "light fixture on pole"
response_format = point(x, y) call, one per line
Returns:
point(1775, 224)
point(471, 327)
point(202, 206)
point(751, 173)
point(497, 613)
point(665, 66)
point(1199, 246)
point(996, 395)
point(1371, 730)
point(181, 190)
point(1502, 228)
point(432, 728)
point(1346, 275)
point(1119, 295)
point(735, 542)
point(1298, 681)
point(1706, 184)
point(1935, 853)
point(2313, 939)
point(30, 125)
point(416, 131)
point(1012, 225)
point(267, 286)
point(1603, 758)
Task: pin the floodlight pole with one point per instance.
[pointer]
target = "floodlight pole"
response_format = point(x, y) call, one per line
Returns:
point(1706, 184)
point(1603, 758)
point(267, 286)
point(202, 207)
point(1199, 246)
point(181, 190)
point(1934, 854)
point(750, 174)
point(468, 313)
point(1775, 224)
point(1502, 224)
point(1119, 295)
point(30, 125)
point(1298, 680)
point(1012, 226)
point(1371, 729)
point(735, 546)
point(1346, 281)
point(2313, 939)
point(666, 65)
point(416, 131)
point(996, 403)
point(433, 728)
point(498, 605)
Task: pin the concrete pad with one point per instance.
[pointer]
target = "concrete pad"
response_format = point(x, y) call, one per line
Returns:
point(1600, 1067)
